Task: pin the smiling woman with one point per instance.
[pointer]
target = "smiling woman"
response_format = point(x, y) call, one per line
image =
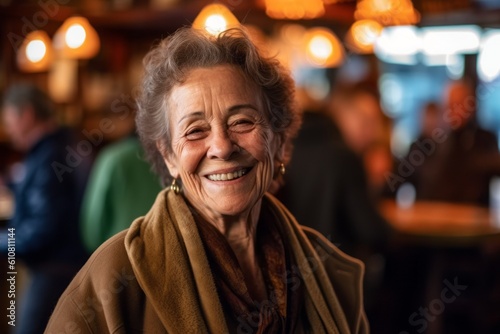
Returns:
point(216, 253)
point(170, 64)
point(229, 138)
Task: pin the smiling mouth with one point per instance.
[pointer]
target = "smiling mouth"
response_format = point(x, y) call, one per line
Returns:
point(229, 176)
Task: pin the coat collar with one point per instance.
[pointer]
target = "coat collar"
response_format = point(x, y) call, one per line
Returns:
point(169, 261)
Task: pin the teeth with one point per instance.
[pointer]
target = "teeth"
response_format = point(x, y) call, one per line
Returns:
point(227, 176)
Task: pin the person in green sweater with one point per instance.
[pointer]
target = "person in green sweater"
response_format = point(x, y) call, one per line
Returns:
point(121, 188)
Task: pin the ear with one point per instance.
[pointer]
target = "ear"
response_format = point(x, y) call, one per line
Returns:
point(169, 159)
point(280, 148)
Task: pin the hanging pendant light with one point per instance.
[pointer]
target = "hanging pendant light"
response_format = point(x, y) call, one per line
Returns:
point(362, 36)
point(214, 19)
point(35, 53)
point(330, 2)
point(387, 12)
point(77, 39)
point(294, 9)
point(323, 48)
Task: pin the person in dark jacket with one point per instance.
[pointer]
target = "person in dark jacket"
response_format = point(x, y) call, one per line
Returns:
point(341, 208)
point(47, 192)
point(459, 164)
point(326, 188)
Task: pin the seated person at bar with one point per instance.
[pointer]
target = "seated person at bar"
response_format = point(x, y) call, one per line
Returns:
point(216, 253)
point(458, 166)
point(47, 204)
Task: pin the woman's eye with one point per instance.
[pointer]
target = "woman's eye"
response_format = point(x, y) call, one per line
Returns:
point(195, 133)
point(242, 125)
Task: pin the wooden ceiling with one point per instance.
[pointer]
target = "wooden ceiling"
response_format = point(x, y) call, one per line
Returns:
point(142, 18)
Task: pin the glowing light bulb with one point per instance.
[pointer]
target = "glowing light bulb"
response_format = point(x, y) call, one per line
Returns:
point(387, 12)
point(215, 24)
point(76, 39)
point(35, 53)
point(294, 9)
point(75, 36)
point(321, 47)
point(366, 32)
point(362, 36)
point(215, 19)
point(36, 50)
point(382, 5)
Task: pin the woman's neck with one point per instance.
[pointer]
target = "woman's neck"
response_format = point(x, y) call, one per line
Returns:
point(237, 229)
point(240, 232)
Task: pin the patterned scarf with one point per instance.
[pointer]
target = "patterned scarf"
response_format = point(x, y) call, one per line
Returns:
point(280, 311)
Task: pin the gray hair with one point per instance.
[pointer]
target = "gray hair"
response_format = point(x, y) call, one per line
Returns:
point(168, 64)
point(23, 95)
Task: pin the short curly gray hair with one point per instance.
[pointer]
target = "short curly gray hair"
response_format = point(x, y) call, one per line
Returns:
point(168, 64)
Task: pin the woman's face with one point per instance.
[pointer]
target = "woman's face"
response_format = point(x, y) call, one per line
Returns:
point(223, 149)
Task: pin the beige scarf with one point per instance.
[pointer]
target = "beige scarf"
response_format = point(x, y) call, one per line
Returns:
point(171, 266)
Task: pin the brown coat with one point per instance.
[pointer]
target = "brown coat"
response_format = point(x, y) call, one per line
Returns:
point(155, 278)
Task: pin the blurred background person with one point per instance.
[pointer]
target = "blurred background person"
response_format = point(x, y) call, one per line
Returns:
point(47, 203)
point(378, 161)
point(341, 208)
point(458, 160)
point(121, 188)
point(432, 119)
point(431, 124)
point(356, 111)
point(460, 165)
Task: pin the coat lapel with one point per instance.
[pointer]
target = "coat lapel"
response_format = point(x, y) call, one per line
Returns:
point(167, 255)
point(169, 261)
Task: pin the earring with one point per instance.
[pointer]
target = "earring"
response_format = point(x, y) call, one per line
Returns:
point(175, 187)
point(282, 169)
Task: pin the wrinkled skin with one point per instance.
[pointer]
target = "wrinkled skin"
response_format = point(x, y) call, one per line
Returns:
point(218, 125)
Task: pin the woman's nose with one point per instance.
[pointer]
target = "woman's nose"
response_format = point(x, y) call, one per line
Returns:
point(221, 146)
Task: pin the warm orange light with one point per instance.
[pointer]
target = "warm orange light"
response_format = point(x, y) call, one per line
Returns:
point(294, 9)
point(323, 48)
point(35, 53)
point(362, 36)
point(77, 39)
point(258, 38)
point(214, 19)
point(387, 12)
point(329, 2)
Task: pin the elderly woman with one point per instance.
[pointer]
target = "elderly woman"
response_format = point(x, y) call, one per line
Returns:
point(216, 253)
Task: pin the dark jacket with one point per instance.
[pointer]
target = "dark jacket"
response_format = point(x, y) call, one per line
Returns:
point(47, 202)
point(459, 169)
point(326, 188)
